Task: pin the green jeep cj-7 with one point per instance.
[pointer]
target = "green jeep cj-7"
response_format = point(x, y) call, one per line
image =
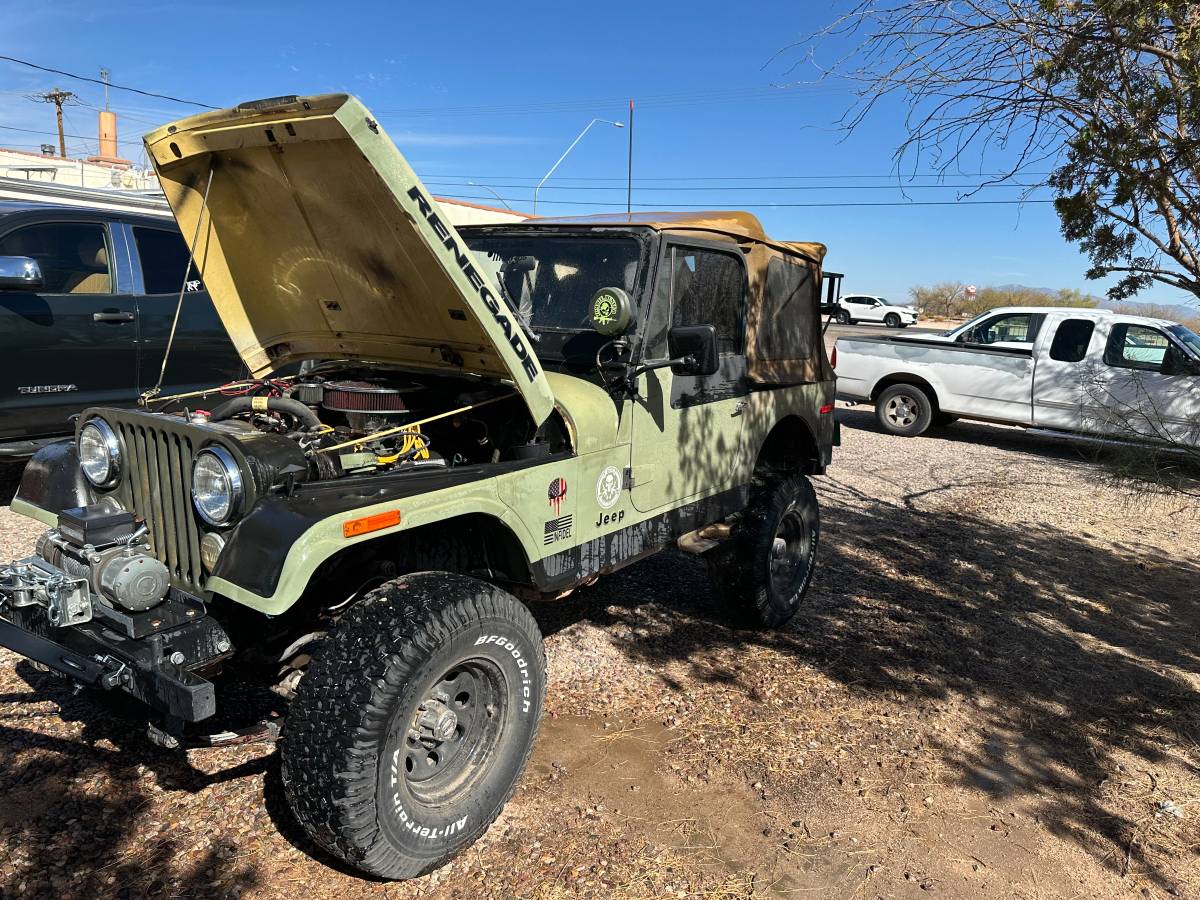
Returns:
point(482, 414)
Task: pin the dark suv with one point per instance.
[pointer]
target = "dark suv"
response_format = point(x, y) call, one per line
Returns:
point(87, 298)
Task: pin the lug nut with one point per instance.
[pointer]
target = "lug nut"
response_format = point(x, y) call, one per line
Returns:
point(177, 658)
point(223, 645)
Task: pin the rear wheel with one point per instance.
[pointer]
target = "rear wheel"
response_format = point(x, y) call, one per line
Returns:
point(763, 574)
point(414, 722)
point(842, 317)
point(891, 320)
point(904, 409)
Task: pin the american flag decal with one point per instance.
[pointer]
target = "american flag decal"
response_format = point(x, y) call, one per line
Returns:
point(557, 529)
point(555, 494)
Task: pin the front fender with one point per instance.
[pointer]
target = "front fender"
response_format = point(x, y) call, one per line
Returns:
point(52, 481)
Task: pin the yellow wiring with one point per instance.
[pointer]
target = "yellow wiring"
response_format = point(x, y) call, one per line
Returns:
point(414, 440)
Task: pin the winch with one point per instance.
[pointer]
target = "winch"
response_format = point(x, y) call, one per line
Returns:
point(92, 552)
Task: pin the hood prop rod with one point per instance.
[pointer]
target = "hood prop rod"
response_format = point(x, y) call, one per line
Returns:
point(149, 395)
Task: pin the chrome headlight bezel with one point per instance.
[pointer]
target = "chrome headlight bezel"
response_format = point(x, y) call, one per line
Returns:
point(234, 493)
point(112, 446)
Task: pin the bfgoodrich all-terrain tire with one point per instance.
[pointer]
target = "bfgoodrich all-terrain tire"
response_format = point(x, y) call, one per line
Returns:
point(762, 575)
point(414, 722)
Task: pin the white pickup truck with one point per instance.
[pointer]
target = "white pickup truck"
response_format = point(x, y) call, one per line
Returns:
point(1085, 371)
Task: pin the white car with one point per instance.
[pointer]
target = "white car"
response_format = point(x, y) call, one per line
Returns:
point(1084, 371)
point(855, 308)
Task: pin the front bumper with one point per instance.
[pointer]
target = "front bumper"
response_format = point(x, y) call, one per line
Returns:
point(150, 655)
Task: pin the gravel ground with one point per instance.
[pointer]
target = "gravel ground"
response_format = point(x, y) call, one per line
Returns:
point(991, 692)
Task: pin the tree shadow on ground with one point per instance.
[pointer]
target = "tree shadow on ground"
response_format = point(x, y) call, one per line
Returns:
point(75, 804)
point(1066, 648)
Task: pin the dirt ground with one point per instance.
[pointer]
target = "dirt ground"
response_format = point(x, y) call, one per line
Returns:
point(991, 692)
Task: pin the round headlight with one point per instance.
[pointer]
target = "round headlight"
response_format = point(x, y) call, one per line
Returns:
point(99, 453)
point(216, 485)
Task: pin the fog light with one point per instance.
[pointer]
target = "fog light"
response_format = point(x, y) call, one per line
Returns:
point(211, 546)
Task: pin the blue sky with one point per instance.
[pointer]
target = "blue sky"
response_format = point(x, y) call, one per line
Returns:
point(495, 96)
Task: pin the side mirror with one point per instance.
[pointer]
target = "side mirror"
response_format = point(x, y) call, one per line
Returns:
point(20, 273)
point(698, 343)
point(612, 312)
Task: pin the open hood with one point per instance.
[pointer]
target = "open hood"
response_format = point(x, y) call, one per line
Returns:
point(318, 241)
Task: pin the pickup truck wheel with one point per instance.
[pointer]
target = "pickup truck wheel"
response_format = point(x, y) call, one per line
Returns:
point(414, 722)
point(891, 320)
point(842, 317)
point(904, 409)
point(762, 577)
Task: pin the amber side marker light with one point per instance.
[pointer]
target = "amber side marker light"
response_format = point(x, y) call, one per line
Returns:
point(367, 524)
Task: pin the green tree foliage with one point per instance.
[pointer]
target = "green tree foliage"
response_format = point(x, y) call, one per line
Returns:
point(948, 300)
point(1103, 93)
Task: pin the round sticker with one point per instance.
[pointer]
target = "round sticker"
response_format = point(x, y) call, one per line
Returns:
point(608, 487)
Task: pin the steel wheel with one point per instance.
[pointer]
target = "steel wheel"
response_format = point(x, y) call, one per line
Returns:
point(454, 730)
point(790, 552)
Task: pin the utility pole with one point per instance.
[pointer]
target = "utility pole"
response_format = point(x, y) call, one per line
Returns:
point(58, 98)
point(629, 169)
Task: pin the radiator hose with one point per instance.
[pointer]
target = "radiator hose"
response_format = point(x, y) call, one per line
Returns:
point(293, 408)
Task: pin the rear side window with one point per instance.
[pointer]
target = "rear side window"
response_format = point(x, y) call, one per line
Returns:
point(73, 256)
point(1136, 347)
point(787, 320)
point(709, 288)
point(164, 258)
point(1072, 339)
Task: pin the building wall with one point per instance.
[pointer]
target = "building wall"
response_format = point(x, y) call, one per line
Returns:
point(35, 167)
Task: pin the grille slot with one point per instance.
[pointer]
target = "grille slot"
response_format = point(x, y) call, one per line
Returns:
point(156, 486)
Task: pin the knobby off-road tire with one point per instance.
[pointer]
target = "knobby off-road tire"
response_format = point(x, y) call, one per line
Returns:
point(763, 573)
point(414, 722)
point(904, 409)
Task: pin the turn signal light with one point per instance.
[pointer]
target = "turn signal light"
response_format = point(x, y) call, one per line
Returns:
point(367, 524)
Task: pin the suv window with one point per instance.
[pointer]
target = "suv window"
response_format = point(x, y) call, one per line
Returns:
point(1136, 347)
point(709, 289)
point(1072, 339)
point(164, 258)
point(1021, 328)
point(73, 255)
point(785, 324)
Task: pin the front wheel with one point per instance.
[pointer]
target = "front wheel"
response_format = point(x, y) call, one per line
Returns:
point(762, 577)
point(891, 320)
point(904, 409)
point(414, 722)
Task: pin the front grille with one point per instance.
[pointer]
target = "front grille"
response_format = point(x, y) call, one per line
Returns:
point(155, 484)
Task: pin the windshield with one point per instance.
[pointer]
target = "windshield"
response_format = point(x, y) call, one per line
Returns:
point(550, 280)
point(1187, 337)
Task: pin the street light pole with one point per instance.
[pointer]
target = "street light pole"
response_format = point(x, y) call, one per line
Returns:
point(566, 152)
point(492, 191)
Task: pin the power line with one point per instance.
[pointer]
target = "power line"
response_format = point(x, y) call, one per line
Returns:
point(761, 205)
point(747, 187)
point(847, 177)
point(115, 87)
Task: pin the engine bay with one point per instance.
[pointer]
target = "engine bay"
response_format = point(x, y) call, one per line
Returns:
point(355, 421)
